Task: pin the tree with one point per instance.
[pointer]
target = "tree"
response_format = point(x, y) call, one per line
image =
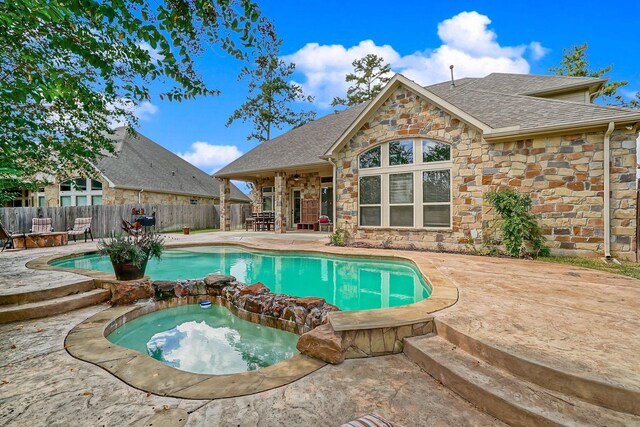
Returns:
point(576, 63)
point(69, 70)
point(369, 76)
point(271, 92)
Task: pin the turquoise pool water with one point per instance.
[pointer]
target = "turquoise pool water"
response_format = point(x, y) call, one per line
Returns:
point(349, 283)
point(205, 341)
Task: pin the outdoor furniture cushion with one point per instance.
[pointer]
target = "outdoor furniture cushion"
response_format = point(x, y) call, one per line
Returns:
point(81, 226)
point(41, 225)
point(370, 420)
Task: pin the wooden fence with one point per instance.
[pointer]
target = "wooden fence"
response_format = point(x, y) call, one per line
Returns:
point(107, 218)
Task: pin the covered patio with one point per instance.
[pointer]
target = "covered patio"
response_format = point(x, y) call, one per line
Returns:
point(285, 200)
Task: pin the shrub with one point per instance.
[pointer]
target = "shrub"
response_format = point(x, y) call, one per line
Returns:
point(136, 246)
point(339, 237)
point(519, 227)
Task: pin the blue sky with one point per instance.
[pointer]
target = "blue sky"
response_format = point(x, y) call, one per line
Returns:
point(420, 39)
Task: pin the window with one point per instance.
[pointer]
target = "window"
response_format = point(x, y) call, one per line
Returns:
point(435, 151)
point(80, 192)
point(41, 201)
point(193, 201)
point(401, 200)
point(371, 158)
point(400, 153)
point(370, 200)
point(326, 197)
point(326, 180)
point(267, 199)
point(436, 198)
point(402, 192)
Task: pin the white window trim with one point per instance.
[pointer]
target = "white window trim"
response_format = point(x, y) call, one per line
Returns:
point(74, 194)
point(417, 168)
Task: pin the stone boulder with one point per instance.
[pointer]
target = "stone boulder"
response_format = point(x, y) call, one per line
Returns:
point(164, 289)
point(309, 302)
point(124, 293)
point(215, 282)
point(322, 343)
point(256, 288)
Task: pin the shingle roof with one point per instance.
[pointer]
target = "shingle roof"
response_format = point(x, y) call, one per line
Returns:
point(520, 84)
point(500, 110)
point(140, 163)
point(301, 146)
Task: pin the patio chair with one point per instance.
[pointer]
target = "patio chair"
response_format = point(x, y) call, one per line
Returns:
point(8, 236)
point(81, 226)
point(41, 225)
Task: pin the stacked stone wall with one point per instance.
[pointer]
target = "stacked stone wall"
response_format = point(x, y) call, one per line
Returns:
point(563, 174)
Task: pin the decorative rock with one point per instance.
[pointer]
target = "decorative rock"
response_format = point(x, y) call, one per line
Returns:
point(164, 289)
point(256, 288)
point(309, 302)
point(322, 343)
point(124, 293)
point(218, 280)
point(314, 318)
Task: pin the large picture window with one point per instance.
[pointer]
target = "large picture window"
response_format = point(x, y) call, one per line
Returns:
point(401, 192)
point(80, 192)
point(370, 200)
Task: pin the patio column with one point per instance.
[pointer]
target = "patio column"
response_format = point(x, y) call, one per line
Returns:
point(280, 191)
point(225, 209)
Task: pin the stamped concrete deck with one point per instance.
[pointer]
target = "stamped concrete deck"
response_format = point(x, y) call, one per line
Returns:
point(575, 320)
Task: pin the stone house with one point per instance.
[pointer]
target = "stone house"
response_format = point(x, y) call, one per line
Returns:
point(140, 171)
point(413, 164)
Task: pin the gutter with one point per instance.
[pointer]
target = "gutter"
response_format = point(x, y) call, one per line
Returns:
point(607, 192)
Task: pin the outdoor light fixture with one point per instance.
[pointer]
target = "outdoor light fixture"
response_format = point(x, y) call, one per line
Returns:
point(296, 177)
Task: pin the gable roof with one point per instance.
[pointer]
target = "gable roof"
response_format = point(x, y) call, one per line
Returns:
point(500, 115)
point(299, 147)
point(139, 163)
point(501, 105)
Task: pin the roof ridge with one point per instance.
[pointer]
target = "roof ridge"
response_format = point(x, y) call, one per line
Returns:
point(555, 100)
point(545, 75)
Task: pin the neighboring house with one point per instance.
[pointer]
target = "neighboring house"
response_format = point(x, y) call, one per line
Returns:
point(140, 171)
point(414, 163)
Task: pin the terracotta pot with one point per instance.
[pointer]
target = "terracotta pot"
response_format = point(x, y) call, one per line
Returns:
point(128, 270)
point(185, 230)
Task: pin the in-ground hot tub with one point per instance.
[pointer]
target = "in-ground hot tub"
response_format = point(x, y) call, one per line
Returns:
point(205, 341)
point(349, 283)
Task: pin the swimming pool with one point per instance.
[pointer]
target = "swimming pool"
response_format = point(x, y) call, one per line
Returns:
point(348, 283)
point(205, 341)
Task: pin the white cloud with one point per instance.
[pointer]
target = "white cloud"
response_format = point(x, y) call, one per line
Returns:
point(537, 50)
point(209, 156)
point(142, 111)
point(467, 43)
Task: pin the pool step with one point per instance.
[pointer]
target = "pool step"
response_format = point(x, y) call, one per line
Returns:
point(51, 292)
point(507, 397)
point(583, 387)
point(38, 309)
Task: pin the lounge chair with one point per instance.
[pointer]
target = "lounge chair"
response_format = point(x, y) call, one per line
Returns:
point(81, 226)
point(8, 236)
point(41, 225)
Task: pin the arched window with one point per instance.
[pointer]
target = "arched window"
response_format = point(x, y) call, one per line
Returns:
point(80, 192)
point(405, 184)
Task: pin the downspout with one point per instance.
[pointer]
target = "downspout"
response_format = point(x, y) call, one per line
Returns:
point(335, 192)
point(140, 196)
point(607, 192)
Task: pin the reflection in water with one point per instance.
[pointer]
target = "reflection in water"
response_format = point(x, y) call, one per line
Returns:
point(211, 341)
point(349, 283)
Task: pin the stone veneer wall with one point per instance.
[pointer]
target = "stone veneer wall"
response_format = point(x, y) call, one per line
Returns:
point(118, 196)
point(564, 175)
point(309, 184)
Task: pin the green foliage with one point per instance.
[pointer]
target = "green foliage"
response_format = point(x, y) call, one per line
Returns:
point(519, 226)
point(369, 76)
point(340, 237)
point(271, 92)
point(69, 70)
point(575, 62)
point(135, 246)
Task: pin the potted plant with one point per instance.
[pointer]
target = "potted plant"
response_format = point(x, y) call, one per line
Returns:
point(130, 252)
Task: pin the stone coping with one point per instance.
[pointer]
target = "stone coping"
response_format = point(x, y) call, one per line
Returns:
point(87, 341)
point(444, 292)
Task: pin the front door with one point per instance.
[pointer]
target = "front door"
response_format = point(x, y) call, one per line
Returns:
point(296, 206)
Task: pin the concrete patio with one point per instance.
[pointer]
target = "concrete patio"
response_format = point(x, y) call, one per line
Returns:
point(578, 322)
